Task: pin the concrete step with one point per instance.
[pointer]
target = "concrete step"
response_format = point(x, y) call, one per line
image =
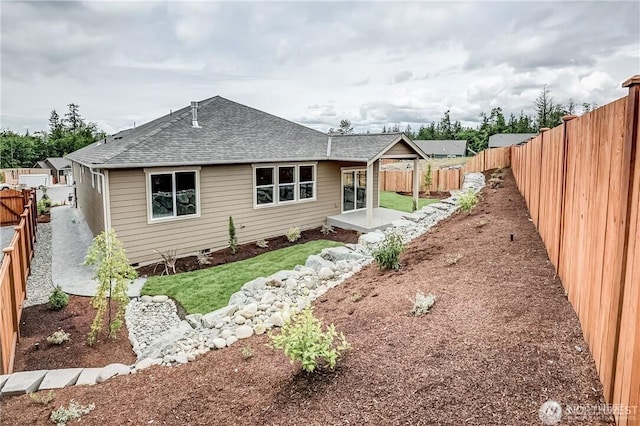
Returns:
point(23, 382)
point(88, 376)
point(3, 379)
point(57, 379)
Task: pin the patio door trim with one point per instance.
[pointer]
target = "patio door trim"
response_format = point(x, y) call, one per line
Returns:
point(343, 170)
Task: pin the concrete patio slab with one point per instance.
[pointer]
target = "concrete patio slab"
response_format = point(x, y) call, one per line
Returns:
point(23, 382)
point(88, 376)
point(357, 220)
point(71, 239)
point(57, 379)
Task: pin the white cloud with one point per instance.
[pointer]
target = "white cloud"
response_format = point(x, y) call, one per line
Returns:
point(310, 62)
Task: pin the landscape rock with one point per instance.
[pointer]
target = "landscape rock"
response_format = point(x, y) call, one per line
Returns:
point(161, 298)
point(111, 370)
point(219, 343)
point(146, 299)
point(244, 331)
point(231, 340)
point(316, 263)
point(325, 273)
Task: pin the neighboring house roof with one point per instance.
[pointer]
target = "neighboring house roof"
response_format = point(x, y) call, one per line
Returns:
point(508, 139)
point(41, 165)
point(59, 163)
point(229, 133)
point(443, 147)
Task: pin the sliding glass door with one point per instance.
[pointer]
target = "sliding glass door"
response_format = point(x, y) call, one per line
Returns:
point(354, 190)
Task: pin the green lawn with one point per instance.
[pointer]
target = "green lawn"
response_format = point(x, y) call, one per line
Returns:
point(209, 289)
point(392, 200)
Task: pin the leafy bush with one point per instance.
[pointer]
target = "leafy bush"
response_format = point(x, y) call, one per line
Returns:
point(113, 274)
point(467, 201)
point(63, 415)
point(422, 303)
point(58, 337)
point(233, 239)
point(293, 234)
point(262, 243)
point(44, 205)
point(302, 339)
point(387, 254)
point(58, 299)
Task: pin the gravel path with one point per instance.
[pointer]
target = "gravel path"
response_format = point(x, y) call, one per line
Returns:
point(39, 283)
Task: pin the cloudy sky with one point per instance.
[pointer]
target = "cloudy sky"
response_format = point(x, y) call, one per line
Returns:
point(313, 63)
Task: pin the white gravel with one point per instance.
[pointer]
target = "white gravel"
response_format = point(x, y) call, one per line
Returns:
point(39, 283)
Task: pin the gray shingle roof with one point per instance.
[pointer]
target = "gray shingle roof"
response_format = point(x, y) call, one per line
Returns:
point(42, 165)
point(59, 163)
point(508, 139)
point(229, 133)
point(361, 146)
point(443, 147)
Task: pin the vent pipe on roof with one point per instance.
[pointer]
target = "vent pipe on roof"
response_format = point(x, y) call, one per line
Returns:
point(194, 114)
point(329, 147)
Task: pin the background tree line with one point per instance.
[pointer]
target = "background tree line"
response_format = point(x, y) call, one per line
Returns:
point(65, 134)
point(547, 113)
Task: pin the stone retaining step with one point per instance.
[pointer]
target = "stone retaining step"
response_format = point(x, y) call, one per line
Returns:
point(88, 376)
point(23, 382)
point(58, 379)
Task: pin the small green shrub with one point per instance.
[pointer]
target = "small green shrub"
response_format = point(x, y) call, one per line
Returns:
point(58, 337)
point(63, 415)
point(327, 229)
point(387, 254)
point(42, 398)
point(428, 177)
point(302, 339)
point(44, 205)
point(247, 352)
point(422, 303)
point(467, 201)
point(262, 243)
point(233, 239)
point(293, 234)
point(356, 297)
point(58, 299)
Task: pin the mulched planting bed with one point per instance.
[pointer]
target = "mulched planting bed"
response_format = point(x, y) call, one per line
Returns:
point(33, 352)
point(500, 340)
point(440, 195)
point(249, 250)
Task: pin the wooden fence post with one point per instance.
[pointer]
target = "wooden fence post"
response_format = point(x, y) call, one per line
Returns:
point(630, 152)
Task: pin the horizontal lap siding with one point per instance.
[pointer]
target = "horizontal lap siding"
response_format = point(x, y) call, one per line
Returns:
point(89, 199)
point(224, 191)
point(401, 148)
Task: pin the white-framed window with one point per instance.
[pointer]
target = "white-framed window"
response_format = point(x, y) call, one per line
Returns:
point(264, 178)
point(173, 195)
point(283, 184)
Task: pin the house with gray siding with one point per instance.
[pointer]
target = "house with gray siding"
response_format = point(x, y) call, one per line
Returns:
point(443, 148)
point(500, 140)
point(172, 183)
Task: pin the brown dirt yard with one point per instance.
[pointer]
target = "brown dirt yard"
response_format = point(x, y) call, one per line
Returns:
point(500, 340)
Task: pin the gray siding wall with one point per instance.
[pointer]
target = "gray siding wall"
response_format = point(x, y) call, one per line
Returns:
point(224, 191)
point(89, 199)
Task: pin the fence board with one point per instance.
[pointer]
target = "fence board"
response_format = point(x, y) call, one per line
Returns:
point(14, 270)
point(581, 182)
